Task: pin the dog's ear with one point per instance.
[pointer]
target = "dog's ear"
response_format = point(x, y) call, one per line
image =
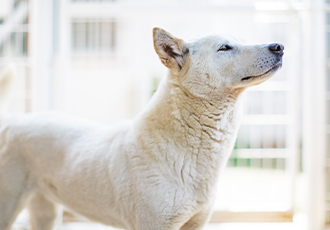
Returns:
point(172, 51)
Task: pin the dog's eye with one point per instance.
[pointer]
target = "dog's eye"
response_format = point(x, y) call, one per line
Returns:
point(225, 48)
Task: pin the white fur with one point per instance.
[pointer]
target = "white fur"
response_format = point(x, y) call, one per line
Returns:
point(156, 172)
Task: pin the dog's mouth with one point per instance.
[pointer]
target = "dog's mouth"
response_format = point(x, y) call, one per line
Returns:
point(273, 69)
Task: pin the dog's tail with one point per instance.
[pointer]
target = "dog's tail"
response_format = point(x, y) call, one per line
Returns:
point(7, 75)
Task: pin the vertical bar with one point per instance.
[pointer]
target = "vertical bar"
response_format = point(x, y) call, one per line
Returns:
point(41, 52)
point(113, 35)
point(96, 36)
point(293, 106)
point(64, 56)
point(314, 110)
point(81, 37)
point(32, 53)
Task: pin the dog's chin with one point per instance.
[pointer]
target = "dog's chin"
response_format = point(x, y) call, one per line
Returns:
point(263, 76)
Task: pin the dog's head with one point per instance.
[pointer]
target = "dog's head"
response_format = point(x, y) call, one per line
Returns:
point(211, 64)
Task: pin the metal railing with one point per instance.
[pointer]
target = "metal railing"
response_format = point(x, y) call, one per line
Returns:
point(327, 88)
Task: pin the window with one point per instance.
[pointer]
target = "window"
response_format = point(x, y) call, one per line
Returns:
point(93, 0)
point(94, 37)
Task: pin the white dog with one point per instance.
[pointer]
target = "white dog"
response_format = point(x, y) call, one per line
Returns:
point(157, 172)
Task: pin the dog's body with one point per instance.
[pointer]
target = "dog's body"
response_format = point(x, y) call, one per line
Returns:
point(156, 172)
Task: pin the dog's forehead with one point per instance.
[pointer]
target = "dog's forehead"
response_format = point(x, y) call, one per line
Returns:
point(213, 41)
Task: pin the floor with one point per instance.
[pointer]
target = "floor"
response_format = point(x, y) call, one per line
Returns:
point(227, 226)
point(299, 223)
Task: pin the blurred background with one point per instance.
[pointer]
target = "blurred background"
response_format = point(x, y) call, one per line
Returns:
point(94, 59)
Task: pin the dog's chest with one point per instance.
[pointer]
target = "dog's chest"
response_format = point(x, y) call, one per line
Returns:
point(199, 152)
point(203, 147)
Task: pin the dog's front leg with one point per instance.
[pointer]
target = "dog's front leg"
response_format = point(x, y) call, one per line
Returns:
point(198, 221)
point(44, 213)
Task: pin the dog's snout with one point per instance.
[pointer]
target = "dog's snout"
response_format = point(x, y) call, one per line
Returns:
point(276, 48)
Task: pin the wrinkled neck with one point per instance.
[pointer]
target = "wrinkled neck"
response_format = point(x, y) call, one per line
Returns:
point(194, 135)
point(194, 121)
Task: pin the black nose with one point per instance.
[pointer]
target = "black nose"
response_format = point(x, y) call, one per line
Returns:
point(276, 48)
